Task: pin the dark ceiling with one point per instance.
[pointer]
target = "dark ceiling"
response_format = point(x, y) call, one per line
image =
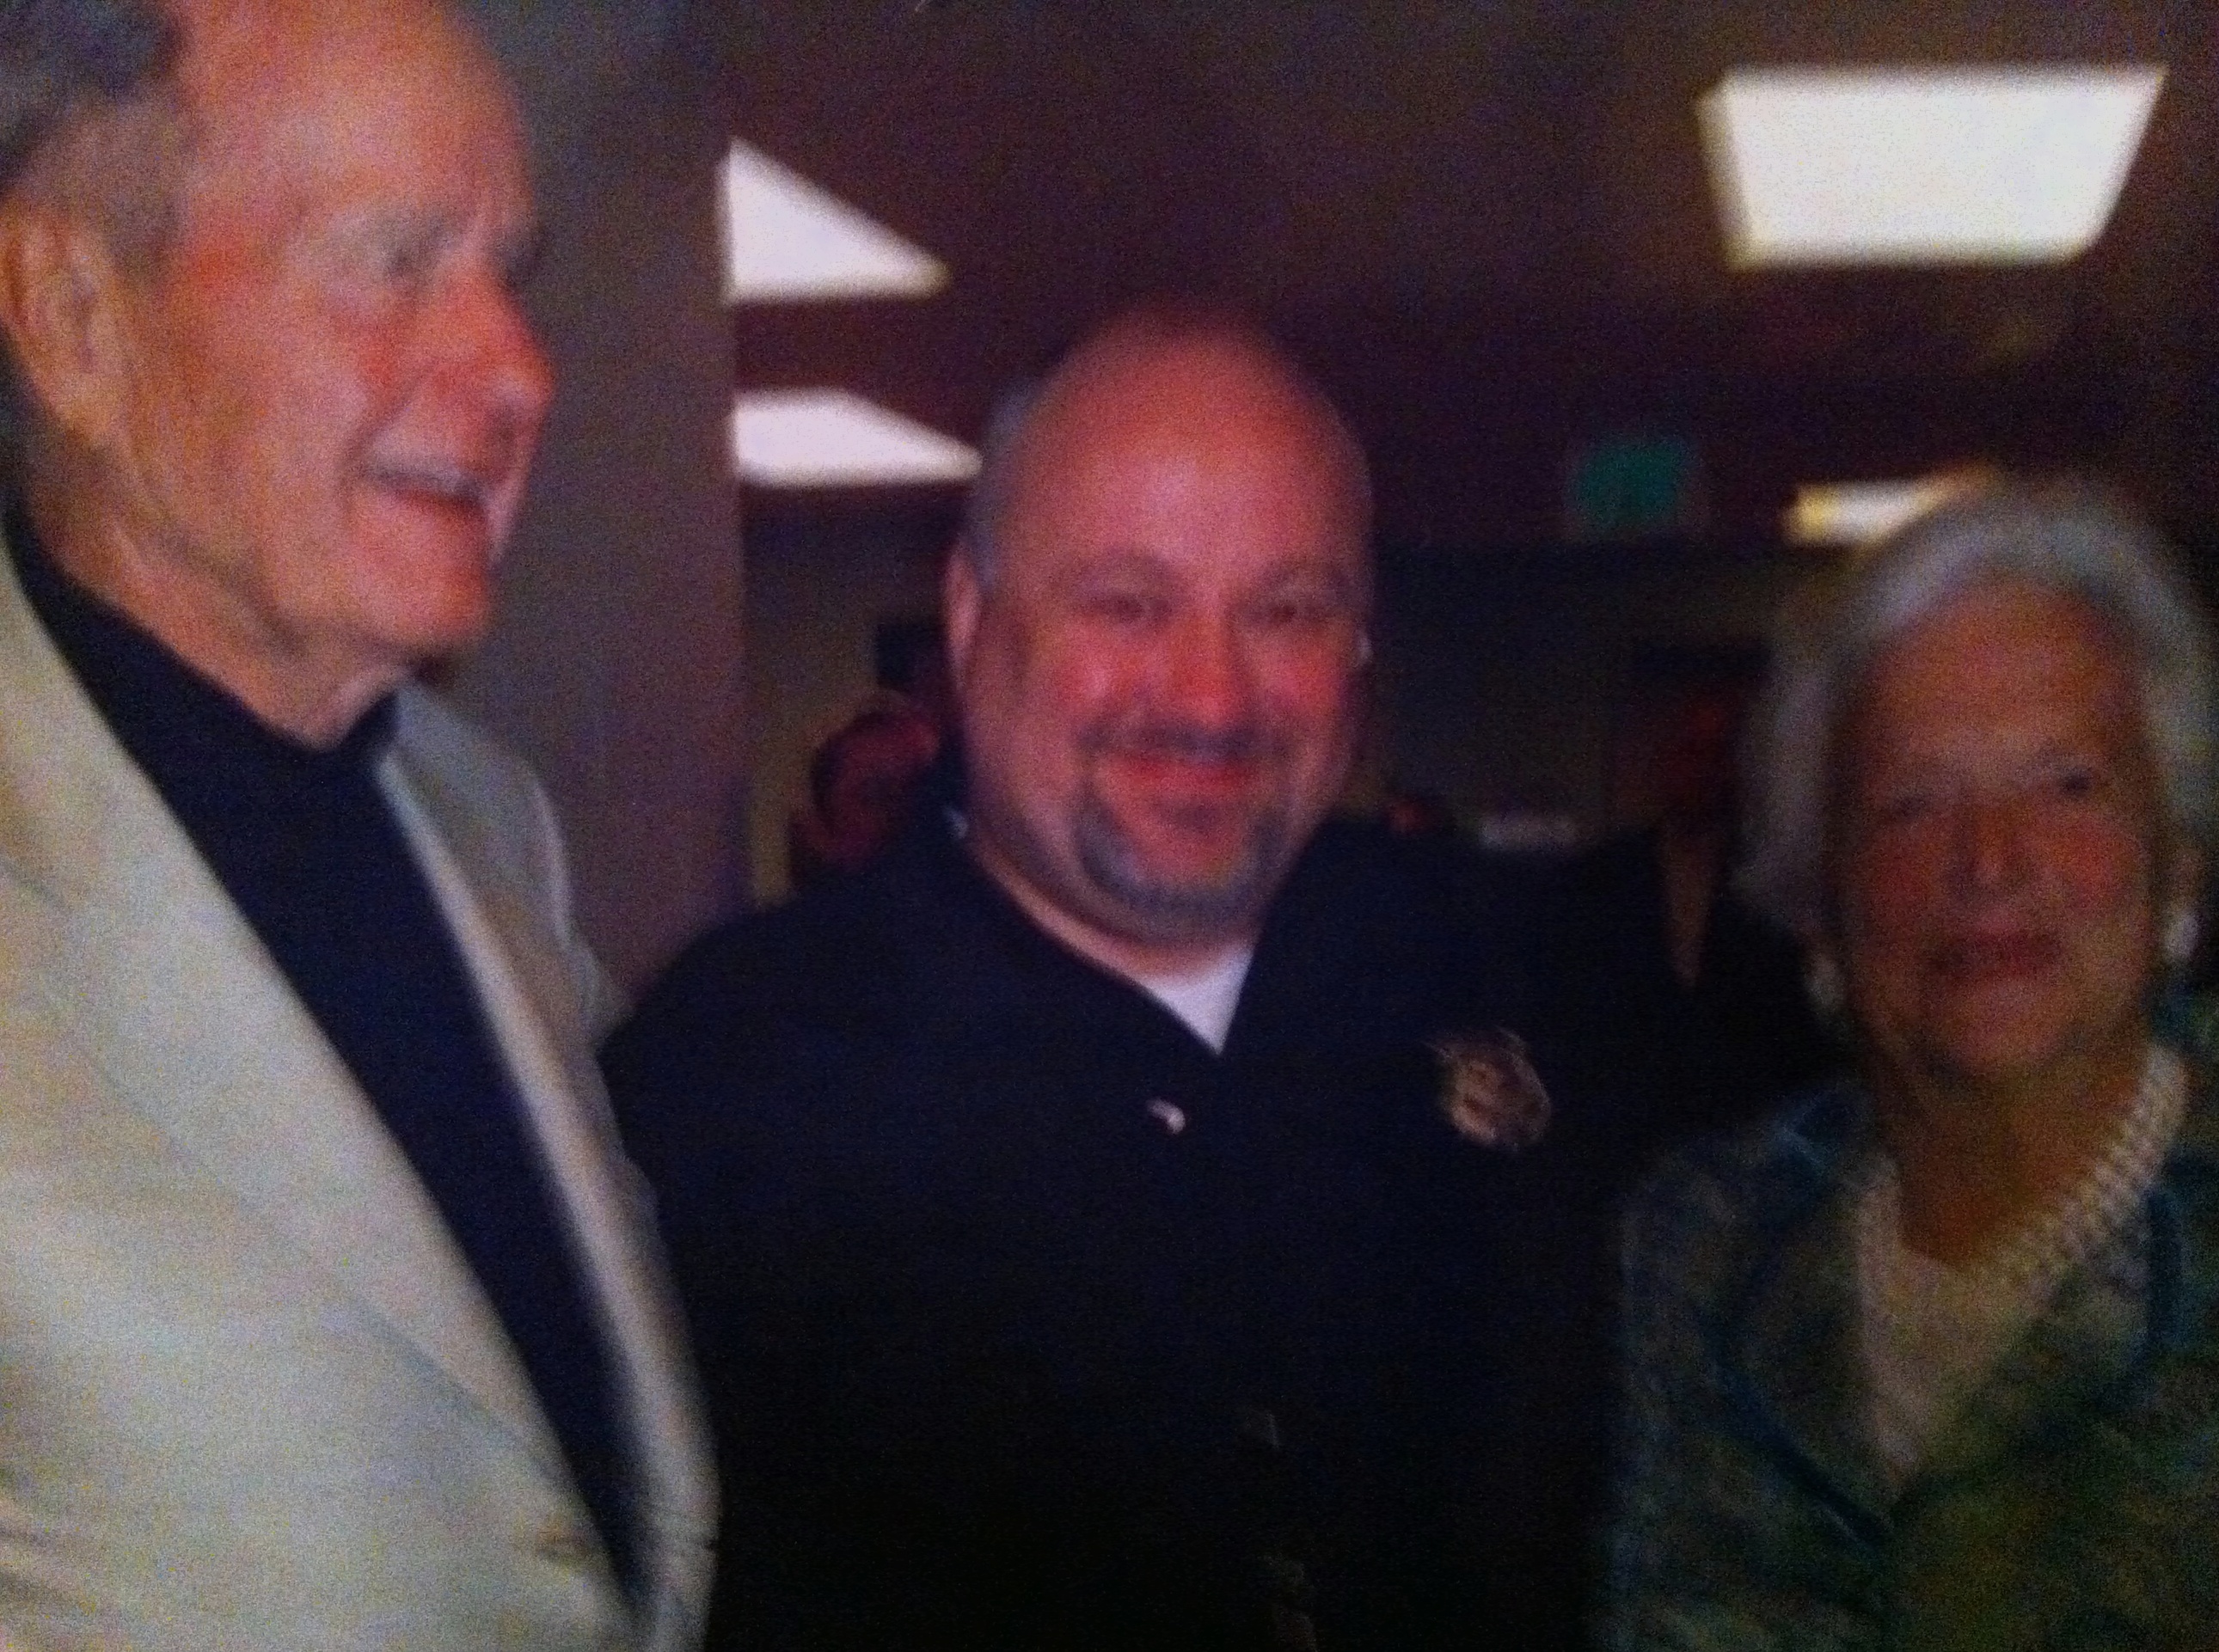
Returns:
point(1488, 228)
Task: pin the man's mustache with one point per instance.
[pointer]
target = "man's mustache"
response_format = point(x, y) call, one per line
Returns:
point(1246, 742)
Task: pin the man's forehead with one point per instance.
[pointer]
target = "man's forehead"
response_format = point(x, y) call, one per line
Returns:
point(1137, 379)
point(297, 106)
point(245, 55)
point(1190, 426)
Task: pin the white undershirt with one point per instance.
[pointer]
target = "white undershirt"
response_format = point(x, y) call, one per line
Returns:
point(1205, 998)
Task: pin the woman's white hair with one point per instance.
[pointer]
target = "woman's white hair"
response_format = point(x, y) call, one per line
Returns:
point(2070, 538)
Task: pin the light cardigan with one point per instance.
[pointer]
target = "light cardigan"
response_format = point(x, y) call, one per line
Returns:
point(2072, 1503)
point(1932, 1331)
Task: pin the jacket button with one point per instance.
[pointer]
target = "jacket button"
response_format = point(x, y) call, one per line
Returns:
point(1260, 1426)
point(1170, 1114)
point(1292, 1630)
point(1287, 1578)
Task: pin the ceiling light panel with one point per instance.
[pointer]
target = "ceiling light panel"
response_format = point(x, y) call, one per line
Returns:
point(829, 439)
point(1857, 513)
point(788, 241)
point(1963, 165)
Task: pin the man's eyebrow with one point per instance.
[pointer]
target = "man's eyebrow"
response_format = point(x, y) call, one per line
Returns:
point(1333, 572)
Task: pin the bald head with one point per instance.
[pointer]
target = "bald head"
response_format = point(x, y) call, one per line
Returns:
point(1157, 622)
point(1164, 360)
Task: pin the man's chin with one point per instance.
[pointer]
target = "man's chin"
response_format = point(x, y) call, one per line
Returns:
point(1222, 858)
point(429, 607)
point(420, 644)
point(1183, 891)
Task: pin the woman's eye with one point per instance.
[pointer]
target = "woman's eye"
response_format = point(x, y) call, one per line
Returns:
point(2077, 782)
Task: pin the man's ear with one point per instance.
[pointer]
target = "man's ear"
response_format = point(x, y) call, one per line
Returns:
point(961, 598)
point(61, 297)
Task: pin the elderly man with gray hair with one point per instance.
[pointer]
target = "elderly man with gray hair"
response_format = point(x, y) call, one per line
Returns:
point(1928, 1360)
point(329, 1315)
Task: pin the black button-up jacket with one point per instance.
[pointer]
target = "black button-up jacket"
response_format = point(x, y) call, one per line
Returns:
point(1030, 1320)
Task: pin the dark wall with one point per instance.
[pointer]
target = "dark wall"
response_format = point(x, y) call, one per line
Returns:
point(818, 587)
point(1501, 674)
point(615, 664)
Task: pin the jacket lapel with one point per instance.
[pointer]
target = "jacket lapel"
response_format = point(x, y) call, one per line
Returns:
point(1796, 1358)
point(531, 998)
point(174, 997)
point(1789, 1347)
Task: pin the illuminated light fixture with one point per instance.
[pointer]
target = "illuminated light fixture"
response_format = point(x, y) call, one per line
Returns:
point(1856, 512)
point(1962, 165)
point(829, 439)
point(787, 241)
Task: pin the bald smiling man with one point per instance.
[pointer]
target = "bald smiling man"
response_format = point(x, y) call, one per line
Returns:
point(1081, 1254)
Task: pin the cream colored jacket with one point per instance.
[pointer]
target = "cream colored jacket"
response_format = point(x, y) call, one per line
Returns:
point(251, 1395)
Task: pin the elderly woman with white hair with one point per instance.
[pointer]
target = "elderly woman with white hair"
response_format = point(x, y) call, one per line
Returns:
point(1931, 1359)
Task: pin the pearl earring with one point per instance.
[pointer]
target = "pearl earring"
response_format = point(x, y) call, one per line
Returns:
point(2182, 932)
point(1821, 979)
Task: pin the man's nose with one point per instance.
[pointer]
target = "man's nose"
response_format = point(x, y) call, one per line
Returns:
point(497, 356)
point(1991, 848)
point(1209, 680)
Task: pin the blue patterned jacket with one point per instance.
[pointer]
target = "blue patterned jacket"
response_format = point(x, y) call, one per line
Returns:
point(2074, 1505)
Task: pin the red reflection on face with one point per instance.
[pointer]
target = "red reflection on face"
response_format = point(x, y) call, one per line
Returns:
point(335, 394)
point(1159, 685)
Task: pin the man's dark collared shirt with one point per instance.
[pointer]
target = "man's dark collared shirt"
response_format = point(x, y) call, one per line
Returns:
point(1028, 1321)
